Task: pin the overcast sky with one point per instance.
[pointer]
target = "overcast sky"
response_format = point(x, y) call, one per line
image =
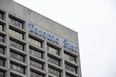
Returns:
point(95, 22)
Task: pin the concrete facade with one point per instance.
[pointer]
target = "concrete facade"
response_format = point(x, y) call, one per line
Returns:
point(12, 10)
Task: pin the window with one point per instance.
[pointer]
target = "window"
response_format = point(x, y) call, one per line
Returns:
point(68, 76)
point(34, 74)
point(70, 57)
point(17, 45)
point(2, 74)
point(35, 42)
point(16, 22)
point(71, 68)
point(1, 38)
point(16, 34)
point(1, 27)
point(1, 50)
point(53, 50)
point(17, 56)
point(36, 53)
point(14, 76)
point(54, 72)
point(2, 62)
point(1, 15)
point(36, 64)
point(54, 61)
point(17, 68)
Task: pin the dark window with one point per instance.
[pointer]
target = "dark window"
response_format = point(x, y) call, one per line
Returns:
point(71, 68)
point(54, 72)
point(13, 75)
point(17, 68)
point(70, 58)
point(2, 62)
point(1, 50)
point(54, 61)
point(17, 45)
point(2, 74)
point(53, 50)
point(36, 64)
point(17, 56)
point(36, 53)
point(16, 22)
point(68, 76)
point(1, 27)
point(1, 38)
point(1, 16)
point(33, 74)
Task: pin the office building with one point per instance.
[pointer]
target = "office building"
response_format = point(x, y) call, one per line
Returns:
point(32, 45)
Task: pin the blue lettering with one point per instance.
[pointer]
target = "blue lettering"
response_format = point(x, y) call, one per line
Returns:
point(31, 27)
point(39, 32)
point(44, 34)
point(48, 36)
point(57, 40)
point(36, 30)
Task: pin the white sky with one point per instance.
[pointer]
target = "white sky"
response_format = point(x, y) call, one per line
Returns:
point(95, 22)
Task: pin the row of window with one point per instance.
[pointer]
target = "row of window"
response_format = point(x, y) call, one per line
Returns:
point(35, 53)
point(32, 74)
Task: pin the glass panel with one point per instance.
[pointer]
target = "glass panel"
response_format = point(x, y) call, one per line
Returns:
point(53, 50)
point(33, 74)
point(36, 64)
point(35, 42)
point(2, 74)
point(1, 16)
point(1, 28)
point(54, 61)
point(70, 68)
point(36, 53)
point(16, 23)
point(17, 68)
point(55, 72)
point(17, 45)
point(1, 62)
point(1, 38)
point(17, 56)
point(1, 50)
point(16, 34)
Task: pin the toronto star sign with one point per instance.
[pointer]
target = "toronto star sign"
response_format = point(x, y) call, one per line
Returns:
point(65, 43)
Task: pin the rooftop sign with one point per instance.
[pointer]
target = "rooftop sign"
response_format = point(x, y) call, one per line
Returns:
point(51, 37)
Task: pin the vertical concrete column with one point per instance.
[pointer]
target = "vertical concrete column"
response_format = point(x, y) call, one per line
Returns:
point(45, 57)
point(7, 41)
point(27, 58)
point(62, 63)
